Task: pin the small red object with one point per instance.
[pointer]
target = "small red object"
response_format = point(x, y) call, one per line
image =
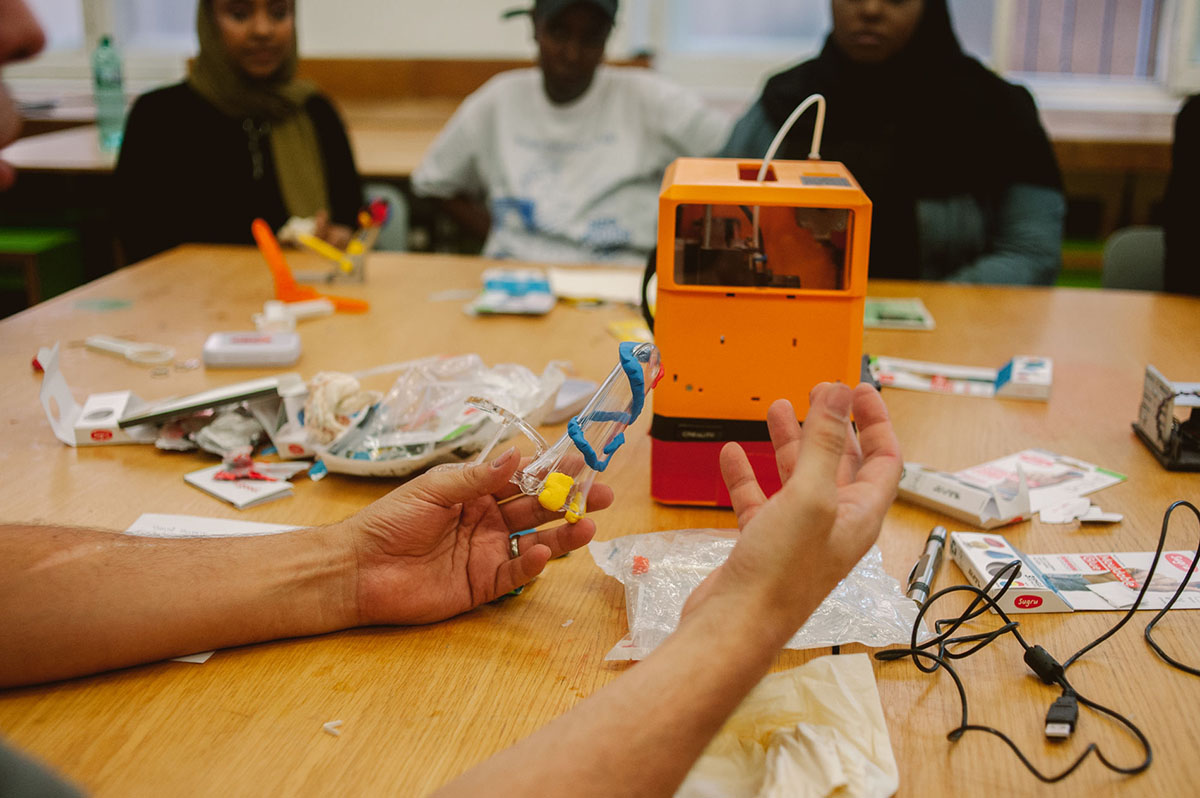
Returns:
point(379, 211)
point(234, 474)
point(37, 366)
point(640, 566)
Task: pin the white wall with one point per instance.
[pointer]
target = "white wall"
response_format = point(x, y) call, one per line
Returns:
point(414, 29)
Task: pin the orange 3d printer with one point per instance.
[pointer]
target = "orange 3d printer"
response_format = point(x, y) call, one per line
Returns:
point(761, 284)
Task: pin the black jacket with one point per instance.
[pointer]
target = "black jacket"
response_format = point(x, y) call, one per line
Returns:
point(186, 173)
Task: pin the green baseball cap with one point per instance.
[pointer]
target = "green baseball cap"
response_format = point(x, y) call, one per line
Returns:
point(549, 8)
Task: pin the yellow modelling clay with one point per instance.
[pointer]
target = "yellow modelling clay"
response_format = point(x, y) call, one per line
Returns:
point(554, 493)
point(573, 513)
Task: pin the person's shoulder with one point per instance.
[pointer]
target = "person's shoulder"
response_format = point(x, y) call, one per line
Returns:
point(793, 79)
point(986, 85)
point(640, 79)
point(501, 93)
point(505, 84)
point(320, 107)
point(1189, 112)
point(785, 89)
point(168, 98)
point(632, 75)
point(169, 111)
point(643, 89)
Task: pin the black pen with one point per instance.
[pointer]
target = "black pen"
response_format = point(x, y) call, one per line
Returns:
point(920, 579)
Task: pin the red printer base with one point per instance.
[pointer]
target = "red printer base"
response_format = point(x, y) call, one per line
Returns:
point(689, 472)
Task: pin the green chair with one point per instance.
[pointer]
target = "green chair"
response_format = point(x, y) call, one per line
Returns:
point(41, 261)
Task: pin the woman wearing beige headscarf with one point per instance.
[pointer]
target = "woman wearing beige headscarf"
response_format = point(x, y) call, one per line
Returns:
point(240, 138)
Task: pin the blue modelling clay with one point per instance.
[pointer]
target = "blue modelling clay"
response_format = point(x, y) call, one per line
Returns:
point(637, 388)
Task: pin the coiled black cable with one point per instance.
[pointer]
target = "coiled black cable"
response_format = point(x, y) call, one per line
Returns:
point(1047, 668)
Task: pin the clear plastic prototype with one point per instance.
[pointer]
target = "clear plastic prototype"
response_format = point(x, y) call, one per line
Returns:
point(561, 475)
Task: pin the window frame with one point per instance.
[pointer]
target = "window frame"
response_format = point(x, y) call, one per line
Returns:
point(1183, 74)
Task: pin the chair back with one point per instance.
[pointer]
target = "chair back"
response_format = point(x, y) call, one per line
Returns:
point(1133, 259)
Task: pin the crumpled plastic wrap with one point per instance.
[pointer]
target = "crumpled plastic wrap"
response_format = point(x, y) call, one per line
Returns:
point(424, 419)
point(660, 570)
point(231, 429)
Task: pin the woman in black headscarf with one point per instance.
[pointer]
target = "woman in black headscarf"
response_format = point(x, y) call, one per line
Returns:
point(963, 181)
point(240, 138)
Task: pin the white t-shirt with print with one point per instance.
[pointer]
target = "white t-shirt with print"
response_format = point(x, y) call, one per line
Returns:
point(576, 182)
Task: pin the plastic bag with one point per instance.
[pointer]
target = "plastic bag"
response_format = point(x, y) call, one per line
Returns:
point(424, 419)
point(660, 570)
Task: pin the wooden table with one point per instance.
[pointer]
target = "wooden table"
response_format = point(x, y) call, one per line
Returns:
point(74, 150)
point(389, 139)
point(382, 150)
point(390, 136)
point(420, 705)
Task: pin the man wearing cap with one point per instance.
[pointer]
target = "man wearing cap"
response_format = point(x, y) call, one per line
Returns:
point(563, 163)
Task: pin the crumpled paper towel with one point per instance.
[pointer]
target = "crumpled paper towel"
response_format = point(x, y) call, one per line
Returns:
point(810, 732)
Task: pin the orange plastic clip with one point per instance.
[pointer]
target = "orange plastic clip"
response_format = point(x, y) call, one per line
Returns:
point(286, 287)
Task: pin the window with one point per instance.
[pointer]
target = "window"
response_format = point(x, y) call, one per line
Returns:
point(63, 22)
point(1116, 38)
point(155, 26)
point(1184, 74)
point(792, 28)
point(1067, 49)
point(155, 38)
point(719, 26)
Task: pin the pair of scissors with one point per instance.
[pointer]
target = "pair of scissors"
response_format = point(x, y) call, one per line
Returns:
point(134, 352)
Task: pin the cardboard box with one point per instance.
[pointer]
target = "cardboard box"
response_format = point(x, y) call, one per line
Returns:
point(280, 417)
point(980, 556)
point(97, 422)
point(1006, 490)
point(1023, 377)
point(948, 494)
point(1099, 581)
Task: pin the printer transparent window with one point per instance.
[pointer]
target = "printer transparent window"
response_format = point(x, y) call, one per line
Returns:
point(796, 247)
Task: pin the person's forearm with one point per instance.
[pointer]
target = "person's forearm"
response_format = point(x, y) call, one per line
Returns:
point(77, 601)
point(641, 734)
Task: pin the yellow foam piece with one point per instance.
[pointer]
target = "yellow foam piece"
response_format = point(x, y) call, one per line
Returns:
point(555, 490)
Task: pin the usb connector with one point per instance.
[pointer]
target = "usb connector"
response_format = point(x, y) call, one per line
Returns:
point(1060, 719)
point(1058, 731)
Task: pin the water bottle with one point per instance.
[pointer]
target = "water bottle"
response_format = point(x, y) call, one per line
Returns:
point(109, 91)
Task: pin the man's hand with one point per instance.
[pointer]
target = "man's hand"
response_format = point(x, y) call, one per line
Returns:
point(439, 545)
point(641, 733)
point(798, 545)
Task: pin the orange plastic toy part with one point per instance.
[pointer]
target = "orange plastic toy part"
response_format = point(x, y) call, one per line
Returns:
point(286, 287)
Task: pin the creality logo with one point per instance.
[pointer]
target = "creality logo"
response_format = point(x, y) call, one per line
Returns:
point(1027, 602)
point(101, 435)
